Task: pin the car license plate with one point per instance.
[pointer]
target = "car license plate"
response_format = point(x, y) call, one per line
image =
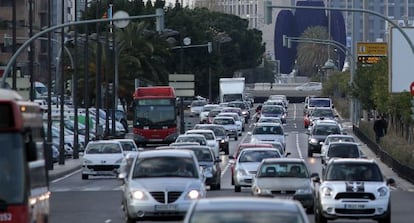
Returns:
point(354, 206)
point(167, 207)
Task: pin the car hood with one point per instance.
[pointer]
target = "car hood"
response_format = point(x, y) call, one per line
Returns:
point(164, 183)
point(354, 186)
point(268, 137)
point(249, 166)
point(285, 183)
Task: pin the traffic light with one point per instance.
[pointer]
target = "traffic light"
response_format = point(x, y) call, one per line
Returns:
point(68, 87)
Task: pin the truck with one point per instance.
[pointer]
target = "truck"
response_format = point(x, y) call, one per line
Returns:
point(231, 89)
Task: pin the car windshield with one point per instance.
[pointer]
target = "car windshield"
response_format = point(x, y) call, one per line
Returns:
point(323, 113)
point(191, 139)
point(275, 130)
point(243, 216)
point(340, 139)
point(103, 148)
point(203, 155)
point(326, 130)
point(207, 135)
point(321, 102)
point(257, 155)
point(353, 172)
point(128, 146)
point(165, 166)
point(223, 121)
point(343, 151)
point(295, 170)
point(272, 109)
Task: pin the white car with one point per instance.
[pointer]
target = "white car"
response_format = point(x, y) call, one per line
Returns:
point(268, 132)
point(237, 118)
point(352, 189)
point(229, 124)
point(310, 86)
point(128, 146)
point(246, 164)
point(196, 107)
point(192, 138)
point(210, 137)
point(204, 114)
point(102, 158)
point(162, 183)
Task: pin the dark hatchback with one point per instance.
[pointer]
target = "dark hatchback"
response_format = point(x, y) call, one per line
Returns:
point(221, 135)
point(318, 133)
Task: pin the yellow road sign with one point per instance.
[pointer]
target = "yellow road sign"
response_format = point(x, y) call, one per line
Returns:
point(372, 49)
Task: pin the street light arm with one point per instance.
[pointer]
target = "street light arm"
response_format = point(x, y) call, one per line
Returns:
point(59, 26)
point(407, 38)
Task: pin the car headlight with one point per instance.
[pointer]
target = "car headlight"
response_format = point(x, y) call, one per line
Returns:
point(313, 141)
point(304, 191)
point(244, 112)
point(193, 194)
point(222, 141)
point(242, 172)
point(119, 160)
point(326, 192)
point(208, 169)
point(382, 191)
point(138, 195)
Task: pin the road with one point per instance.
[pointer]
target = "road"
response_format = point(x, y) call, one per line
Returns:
point(98, 200)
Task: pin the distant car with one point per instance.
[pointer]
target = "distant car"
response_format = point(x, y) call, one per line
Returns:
point(336, 138)
point(192, 138)
point(310, 86)
point(196, 107)
point(221, 135)
point(162, 183)
point(246, 164)
point(209, 163)
point(274, 111)
point(270, 119)
point(245, 210)
point(206, 109)
point(286, 178)
point(341, 150)
point(210, 138)
point(212, 114)
point(268, 132)
point(320, 113)
point(318, 133)
point(102, 158)
point(128, 146)
point(239, 121)
point(352, 189)
point(229, 124)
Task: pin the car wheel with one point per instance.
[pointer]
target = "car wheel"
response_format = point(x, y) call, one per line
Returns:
point(232, 180)
point(387, 217)
point(85, 176)
point(236, 138)
point(237, 188)
point(226, 152)
point(129, 219)
point(310, 153)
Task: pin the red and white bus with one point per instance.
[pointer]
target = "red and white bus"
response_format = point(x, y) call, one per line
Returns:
point(24, 188)
point(155, 115)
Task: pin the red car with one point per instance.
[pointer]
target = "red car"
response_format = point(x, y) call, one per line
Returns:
point(240, 148)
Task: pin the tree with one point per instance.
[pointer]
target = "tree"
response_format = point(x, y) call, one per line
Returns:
point(313, 55)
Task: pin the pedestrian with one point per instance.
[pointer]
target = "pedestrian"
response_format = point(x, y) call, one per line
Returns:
point(384, 124)
point(378, 128)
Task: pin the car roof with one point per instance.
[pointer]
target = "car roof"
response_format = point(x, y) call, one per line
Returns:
point(352, 160)
point(283, 160)
point(245, 145)
point(344, 143)
point(192, 131)
point(268, 124)
point(340, 135)
point(166, 152)
point(246, 204)
point(191, 135)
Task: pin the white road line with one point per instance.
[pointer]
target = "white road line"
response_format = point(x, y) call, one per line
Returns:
point(225, 169)
point(297, 146)
point(294, 112)
point(66, 176)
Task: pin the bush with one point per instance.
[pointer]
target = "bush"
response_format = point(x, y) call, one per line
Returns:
point(392, 143)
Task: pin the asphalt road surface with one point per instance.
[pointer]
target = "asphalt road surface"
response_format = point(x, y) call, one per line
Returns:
point(98, 200)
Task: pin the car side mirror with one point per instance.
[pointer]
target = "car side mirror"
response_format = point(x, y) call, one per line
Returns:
point(249, 133)
point(288, 154)
point(218, 160)
point(391, 182)
point(315, 178)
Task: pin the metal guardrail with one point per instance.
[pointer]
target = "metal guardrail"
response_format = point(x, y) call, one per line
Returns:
point(402, 170)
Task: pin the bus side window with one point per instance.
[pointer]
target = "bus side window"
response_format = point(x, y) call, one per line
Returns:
point(30, 146)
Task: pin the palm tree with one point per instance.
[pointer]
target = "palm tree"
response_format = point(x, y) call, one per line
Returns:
point(313, 55)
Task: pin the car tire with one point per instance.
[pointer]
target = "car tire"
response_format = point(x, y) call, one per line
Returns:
point(232, 180)
point(319, 218)
point(85, 176)
point(387, 217)
point(226, 151)
point(237, 188)
point(236, 138)
point(310, 153)
point(129, 219)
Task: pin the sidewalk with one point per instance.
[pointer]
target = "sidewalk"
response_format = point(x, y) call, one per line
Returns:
point(70, 166)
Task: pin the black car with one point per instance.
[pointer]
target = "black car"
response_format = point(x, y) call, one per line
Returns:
point(221, 135)
point(209, 163)
point(318, 133)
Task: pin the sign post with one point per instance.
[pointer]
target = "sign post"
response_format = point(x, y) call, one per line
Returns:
point(184, 87)
point(412, 101)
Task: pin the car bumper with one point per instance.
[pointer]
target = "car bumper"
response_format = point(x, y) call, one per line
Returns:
point(142, 209)
point(371, 209)
point(245, 180)
point(314, 148)
point(100, 170)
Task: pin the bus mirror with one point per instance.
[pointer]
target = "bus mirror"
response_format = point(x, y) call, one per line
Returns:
point(31, 151)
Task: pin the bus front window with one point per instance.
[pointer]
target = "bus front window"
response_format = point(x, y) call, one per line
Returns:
point(12, 168)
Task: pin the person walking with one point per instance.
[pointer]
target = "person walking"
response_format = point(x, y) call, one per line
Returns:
point(378, 128)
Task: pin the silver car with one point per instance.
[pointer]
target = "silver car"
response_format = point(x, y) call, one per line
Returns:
point(162, 183)
point(245, 210)
point(268, 132)
point(286, 178)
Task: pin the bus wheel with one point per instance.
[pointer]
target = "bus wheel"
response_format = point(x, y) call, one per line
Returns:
point(85, 176)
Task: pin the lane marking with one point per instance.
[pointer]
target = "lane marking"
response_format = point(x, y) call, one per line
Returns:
point(297, 146)
point(66, 176)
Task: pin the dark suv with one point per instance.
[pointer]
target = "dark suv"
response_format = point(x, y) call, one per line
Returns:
point(318, 133)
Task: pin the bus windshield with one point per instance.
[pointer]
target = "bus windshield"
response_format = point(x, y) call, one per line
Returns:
point(12, 169)
point(155, 113)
